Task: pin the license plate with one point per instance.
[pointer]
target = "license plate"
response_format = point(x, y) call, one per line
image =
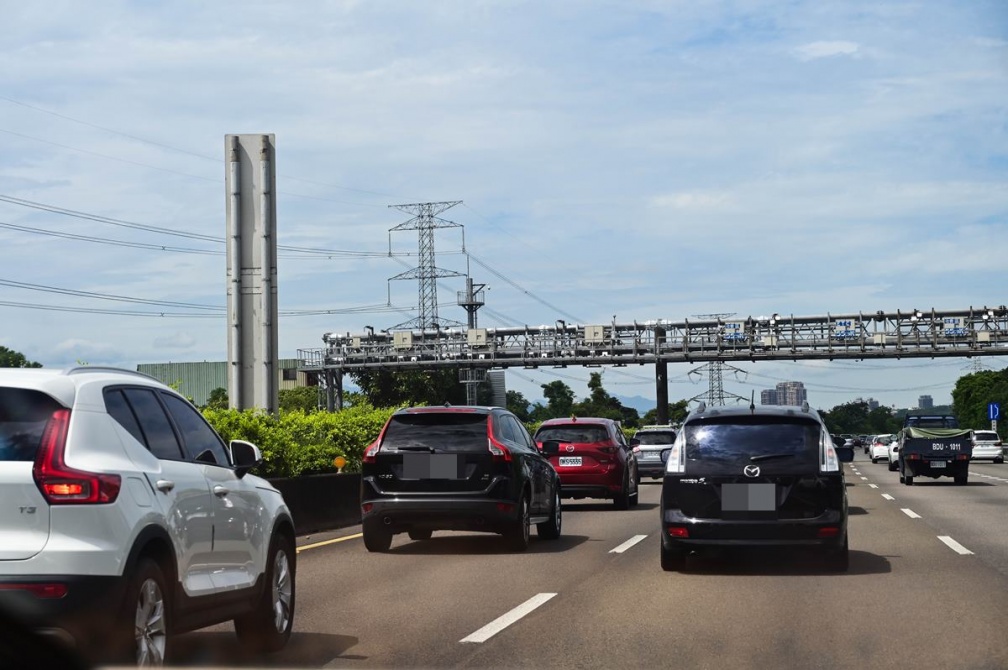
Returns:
point(748, 497)
point(570, 461)
point(937, 464)
point(431, 466)
point(648, 456)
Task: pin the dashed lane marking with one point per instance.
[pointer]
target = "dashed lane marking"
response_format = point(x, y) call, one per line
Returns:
point(626, 545)
point(887, 496)
point(502, 622)
point(910, 513)
point(865, 478)
point(955, 546)
point(874, 486)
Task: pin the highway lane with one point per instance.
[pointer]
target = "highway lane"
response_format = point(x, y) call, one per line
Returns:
point(413, 606)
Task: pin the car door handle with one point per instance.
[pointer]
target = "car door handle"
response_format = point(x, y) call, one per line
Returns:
point(221, 491)
point(164, 485)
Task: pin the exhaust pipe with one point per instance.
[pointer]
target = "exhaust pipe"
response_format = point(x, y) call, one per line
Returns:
point(387, 521)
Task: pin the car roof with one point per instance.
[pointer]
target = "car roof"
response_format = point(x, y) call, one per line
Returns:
point(449, 409)
point(578, 419)
point(755, 410)
point(63, 384)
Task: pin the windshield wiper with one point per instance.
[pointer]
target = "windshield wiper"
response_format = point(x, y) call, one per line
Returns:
point(769, 457)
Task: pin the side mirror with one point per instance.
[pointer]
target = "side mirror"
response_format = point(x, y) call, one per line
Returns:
point(665, 454)
point(837, 441)
point(845, 454)
point(634, 442)
point(244, 456)
point(551, 447)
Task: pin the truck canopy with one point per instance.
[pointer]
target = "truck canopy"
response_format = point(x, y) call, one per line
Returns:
point(934, 433)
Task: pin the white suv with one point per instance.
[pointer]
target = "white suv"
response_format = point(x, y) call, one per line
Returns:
point(987, 444)
point(126, 519)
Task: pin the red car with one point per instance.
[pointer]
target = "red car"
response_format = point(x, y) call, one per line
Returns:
point(592, 457)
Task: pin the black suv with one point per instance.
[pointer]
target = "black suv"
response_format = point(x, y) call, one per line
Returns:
point(754, 476)
point(457, 468)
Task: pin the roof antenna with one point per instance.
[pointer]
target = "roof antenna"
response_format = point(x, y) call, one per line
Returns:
point(752, 402)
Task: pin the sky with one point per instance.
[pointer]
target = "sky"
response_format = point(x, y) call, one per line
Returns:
point(639, 158)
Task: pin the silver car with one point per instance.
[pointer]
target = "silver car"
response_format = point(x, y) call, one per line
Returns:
point(648, 443)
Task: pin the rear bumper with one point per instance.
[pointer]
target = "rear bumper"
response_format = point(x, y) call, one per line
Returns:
point(984, 453)
point(84, 617)
point(651, 468)
point(776, 533)
point(400, 514)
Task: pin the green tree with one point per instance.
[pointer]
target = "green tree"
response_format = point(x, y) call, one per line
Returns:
point(974, 391)
point(218, 399)
point(387, 388)
point(299, 398)
point(857, 419)
point(600, 403)
point(519, 405)
point(676, 413)
point(559, 401)
point(15, 359)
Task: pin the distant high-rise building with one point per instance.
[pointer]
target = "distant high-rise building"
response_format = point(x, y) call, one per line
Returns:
point(925, 402)
point(768, 397)
point(791, 393)
point(873, 404)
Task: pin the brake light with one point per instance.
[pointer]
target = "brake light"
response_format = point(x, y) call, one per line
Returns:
point(370, 451)
point(828, 531)
point(962, 457)
point(61, 484)
point(40, 590)
point(678, 531)
point(499, 451)
point(912, 457)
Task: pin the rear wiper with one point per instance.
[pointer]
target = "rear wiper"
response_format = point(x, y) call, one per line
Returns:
point(768, 457)
point(427, 449)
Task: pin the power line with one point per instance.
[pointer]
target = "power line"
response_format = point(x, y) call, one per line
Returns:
point(104, 296)
point(525, 291)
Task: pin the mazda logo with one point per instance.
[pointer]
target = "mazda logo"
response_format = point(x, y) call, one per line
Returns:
point(569, 448)
point(751, 471)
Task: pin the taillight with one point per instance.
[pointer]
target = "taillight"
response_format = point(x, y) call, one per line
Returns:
point(678, 531)
point(499, 451)
point(912, 457)
point(828, 531)
point(636, 450)
point(39, 590)
point(962, 457)
point(370, 451)
point(61, 484)
point(607, 450)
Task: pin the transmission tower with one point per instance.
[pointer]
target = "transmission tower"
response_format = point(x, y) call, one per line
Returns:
point(714, 370)
point(425, 221)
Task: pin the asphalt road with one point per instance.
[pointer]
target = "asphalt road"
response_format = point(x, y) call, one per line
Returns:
point(597, 598)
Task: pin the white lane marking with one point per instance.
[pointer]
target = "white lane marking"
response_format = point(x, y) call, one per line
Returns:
point(955, 546)
point(887, 496)
point(502, 622)
point(874, 486)
point(910, 513)
point(865, 478)
point(626, 545)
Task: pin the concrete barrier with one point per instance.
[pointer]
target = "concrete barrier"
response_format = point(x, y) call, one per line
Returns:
point(321, 502)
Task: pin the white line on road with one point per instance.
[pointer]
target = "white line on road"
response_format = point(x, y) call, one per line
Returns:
point(502, 622)
point(626, 545)
point(910, 513)
point(955, 546)
point(865, 478)
point(874, 486)
point(887, 496)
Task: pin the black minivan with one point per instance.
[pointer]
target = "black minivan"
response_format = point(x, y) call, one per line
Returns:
point(767, 476)
point(457, 468)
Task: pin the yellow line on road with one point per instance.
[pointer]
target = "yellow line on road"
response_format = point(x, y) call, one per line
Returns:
point(327, 542)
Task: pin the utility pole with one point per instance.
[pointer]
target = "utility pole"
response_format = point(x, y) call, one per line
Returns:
point(425, 221)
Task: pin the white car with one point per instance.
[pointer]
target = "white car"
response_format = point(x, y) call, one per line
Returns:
point(879, 447)
point(987, 444)
point(126, 519)
point(892, 453)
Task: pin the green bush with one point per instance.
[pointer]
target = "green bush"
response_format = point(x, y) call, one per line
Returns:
point(298, 443)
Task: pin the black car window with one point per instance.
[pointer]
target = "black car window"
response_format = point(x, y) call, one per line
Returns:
point(24, 414)
point(523, 435)
point(154, 423)
point(201, 442)
point(744, 440)
point(503, 429)
point(656, 437)
point(441, 431)
point(517, 432)
point(119, 409)
point(573, 433)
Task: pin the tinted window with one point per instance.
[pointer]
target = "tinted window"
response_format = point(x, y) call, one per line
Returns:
point(23, 417)
point(737, 440)
point(573, 433)
point(985, 436)
point(656, 437)
point(119, 409)
point(523, 435)
point(200, 440)
point(453, 431)
point(154, 422)
point(517, 432)
point(932, 421)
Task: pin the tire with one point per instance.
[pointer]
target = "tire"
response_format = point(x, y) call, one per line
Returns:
point(892, 467)
point(550, 530)
point(838, 560)
point(999, 460)
point(376, 538)
point(635, 496)
point(873, 460)
point(420, 534)
point(672, 558)
point(518, 535)
point(267, 628)
point(622, 499)
point(962, 480)
point(147, 617)
point(908, 480)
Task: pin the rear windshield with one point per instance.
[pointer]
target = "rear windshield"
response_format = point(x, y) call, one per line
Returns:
point(656, 437)
point(571, 433)
point(986, 436)
point(740, 440)
point(23, 417)
point(440, 432)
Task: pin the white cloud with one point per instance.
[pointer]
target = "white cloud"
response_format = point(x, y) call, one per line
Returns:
point(694, 201)
point(178, 341)
point(826, 49)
